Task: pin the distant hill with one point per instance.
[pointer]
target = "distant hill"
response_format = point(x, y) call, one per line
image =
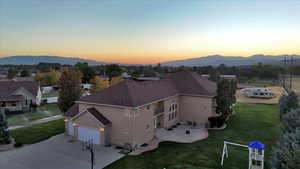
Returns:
point(33, 60)
point(216, 60)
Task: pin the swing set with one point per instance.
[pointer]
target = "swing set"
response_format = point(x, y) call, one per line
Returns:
point(256, 153)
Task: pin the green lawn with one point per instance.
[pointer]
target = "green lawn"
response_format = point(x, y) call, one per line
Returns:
point(251, 122)
point(43, 111)
point(38, 132)
point(52, 94)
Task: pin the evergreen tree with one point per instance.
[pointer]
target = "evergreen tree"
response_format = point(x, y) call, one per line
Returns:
point(291, 121)
point(286, 153)
point(4, 132)
point(70, 88)
point(224, 98)
point(286, 103)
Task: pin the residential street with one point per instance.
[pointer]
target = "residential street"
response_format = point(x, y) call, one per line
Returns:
point(56, 152)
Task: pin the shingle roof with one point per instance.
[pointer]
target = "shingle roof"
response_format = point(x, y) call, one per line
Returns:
point(99, 116)
point(72, 111)
point(132, 93)
point(8, 87)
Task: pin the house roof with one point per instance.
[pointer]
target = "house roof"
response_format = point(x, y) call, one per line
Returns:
point(72, 111)
point(7, 88)
point(132, 93)
point(99, 116)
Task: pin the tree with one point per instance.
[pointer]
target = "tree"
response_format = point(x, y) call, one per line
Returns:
point(70, 88)
point(99, 84)
point(214, 76)
point(291, 121)
point(12, 72)
point(88, 73)
point(48, 78)
point(25, 73)
point(4, 132)
point(113, 70)
point(116, 80)
point(46, 67)
point(286, 103)
point(286, 153)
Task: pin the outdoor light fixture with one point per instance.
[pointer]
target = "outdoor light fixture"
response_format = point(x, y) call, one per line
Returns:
point(101, 129)
point(66, 120)
point(75, 124)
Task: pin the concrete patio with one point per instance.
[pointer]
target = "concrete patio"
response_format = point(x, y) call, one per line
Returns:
point(179, 135)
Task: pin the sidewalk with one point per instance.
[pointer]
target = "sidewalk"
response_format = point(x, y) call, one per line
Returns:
point(44, 120)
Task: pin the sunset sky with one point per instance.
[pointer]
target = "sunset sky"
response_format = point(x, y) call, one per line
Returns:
point(148, 31)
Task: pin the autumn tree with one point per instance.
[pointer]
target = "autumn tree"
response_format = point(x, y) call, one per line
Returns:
point(99, 84)
point(70, 88)
point(116, 80)
point(48, 78)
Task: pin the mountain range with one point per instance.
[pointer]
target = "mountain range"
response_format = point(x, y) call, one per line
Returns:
point(213, 60)
point(216, 60)
point(33, 60)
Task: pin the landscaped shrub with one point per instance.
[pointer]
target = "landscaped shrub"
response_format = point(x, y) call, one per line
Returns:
point(18, 144)
point(216, 121)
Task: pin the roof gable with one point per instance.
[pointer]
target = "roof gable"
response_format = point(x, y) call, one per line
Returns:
point(99, 117)
point(7, 88)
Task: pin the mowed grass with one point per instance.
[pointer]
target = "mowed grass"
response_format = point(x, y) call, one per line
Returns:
point(51, 94)
point(251, 122)
point(43, 111)
point(38, 132)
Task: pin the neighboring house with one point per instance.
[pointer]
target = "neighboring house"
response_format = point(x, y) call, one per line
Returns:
point(129, 112)
point(19, 95)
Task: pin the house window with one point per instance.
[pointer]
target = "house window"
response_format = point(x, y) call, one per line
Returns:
point(175, 113)
point(170, 108)
point(170, 116)
point(148, 107)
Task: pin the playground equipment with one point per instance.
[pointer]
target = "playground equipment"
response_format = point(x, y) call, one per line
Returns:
point(256, 153)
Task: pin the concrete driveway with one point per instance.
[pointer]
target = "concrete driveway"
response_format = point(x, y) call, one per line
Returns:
point(57, 153)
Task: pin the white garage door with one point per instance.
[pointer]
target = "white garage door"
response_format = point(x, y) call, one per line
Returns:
point(70, 129)
point(85, 134)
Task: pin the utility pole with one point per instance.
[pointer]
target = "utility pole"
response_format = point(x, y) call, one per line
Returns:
point(284, 73)
point(291, 73)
